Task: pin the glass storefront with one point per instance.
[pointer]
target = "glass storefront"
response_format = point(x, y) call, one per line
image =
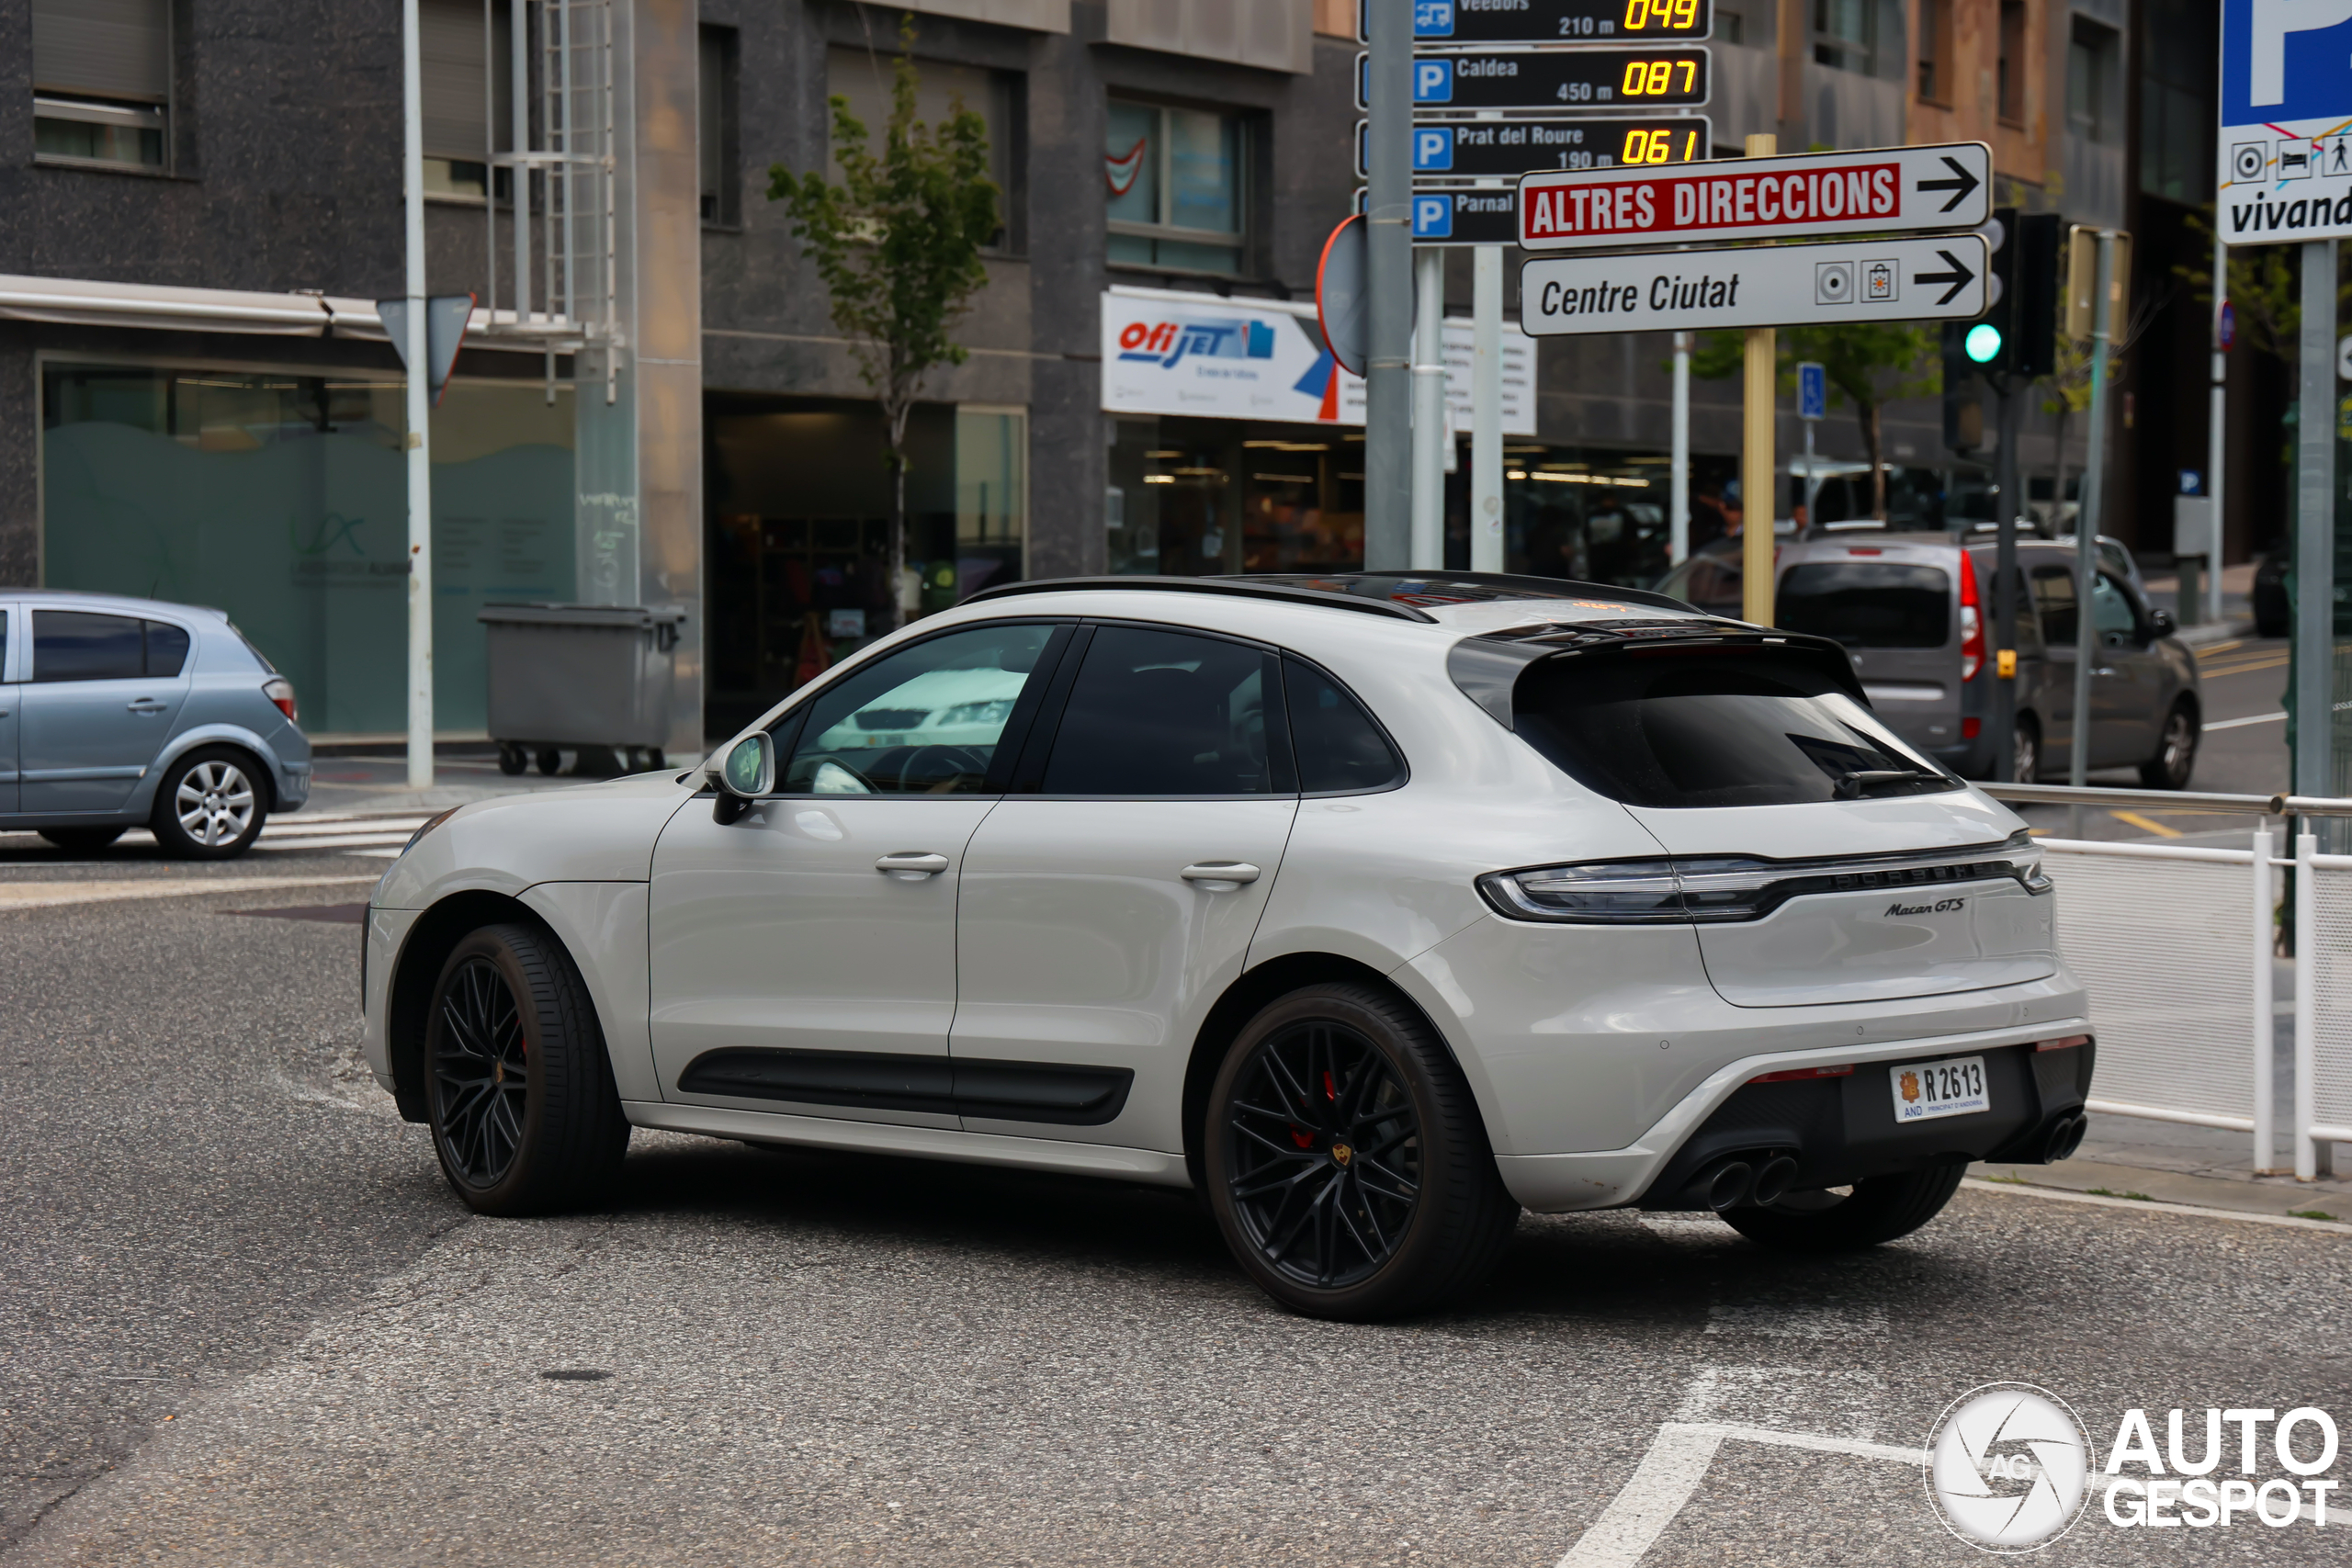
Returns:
point(799, 496)
point(282, 500)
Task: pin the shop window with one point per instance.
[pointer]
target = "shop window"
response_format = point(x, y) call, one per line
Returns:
point(864, 77)
point(716, 143)
point(2091, 58)
point(462, 57)
point(2012, 62)
point(282, 500)
point(1191, 496)
point(102, 82)
point(1176, 183)
point(1845, 34)
point(991, 501)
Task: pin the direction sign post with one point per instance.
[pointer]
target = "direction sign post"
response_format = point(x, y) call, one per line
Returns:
point(1758, 362)
point(1389, 253)
point(1940, 277)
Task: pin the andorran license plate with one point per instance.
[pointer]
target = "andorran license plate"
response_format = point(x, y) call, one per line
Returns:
point(1924, 1091)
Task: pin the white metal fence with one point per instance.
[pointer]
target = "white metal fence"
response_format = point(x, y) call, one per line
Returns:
point(2175, 945)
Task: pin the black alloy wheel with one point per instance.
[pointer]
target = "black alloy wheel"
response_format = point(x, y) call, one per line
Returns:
point(1346, 1160)
point(519, 1092)
point(481, 1073)
point(1324, 1165)
point(2025, 766)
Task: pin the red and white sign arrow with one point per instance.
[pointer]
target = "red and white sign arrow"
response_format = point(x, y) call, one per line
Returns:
point(1875, 192)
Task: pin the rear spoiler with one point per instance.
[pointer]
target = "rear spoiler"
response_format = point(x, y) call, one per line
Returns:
point(1487, 668)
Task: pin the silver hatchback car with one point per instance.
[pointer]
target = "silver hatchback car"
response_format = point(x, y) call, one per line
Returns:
point(118, 712)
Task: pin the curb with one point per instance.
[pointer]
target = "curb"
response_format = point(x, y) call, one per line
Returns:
point(2058, 1195)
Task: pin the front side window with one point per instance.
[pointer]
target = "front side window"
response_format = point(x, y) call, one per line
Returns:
point(73, 645)
point(1176, 188)
point(2112, 613)
point(1158, 713)
point(1340, 748)
point(1868, 604)
point(102, 82)
point(924, 720)
point(1671, 728)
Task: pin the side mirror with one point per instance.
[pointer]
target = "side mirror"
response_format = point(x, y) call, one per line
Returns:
point(747, 773)
point(2162, 623)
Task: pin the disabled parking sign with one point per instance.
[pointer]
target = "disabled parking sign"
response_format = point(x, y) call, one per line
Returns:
point(2286, 133)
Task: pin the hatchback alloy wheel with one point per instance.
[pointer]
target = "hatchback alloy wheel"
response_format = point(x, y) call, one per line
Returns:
point(214, 803)
point(1324, 1166)
point(2176, 756)
point(481, 1073)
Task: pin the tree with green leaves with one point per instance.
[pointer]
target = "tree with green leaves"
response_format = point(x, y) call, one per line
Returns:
point(896, 242)
point(1867, 364)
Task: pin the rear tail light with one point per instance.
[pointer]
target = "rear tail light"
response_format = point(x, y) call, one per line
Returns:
point(1972, 621)
point(280, 690)
point(1792, 1074)
point(2065, 1042)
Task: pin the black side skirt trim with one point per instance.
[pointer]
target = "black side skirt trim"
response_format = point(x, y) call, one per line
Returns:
point(877, 1081)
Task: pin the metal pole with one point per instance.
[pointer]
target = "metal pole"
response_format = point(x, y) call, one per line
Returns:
point(1429, 410)
point(2217, 430)
point(2307, 1161)
point(2086, 532)
point(1487, 410)
point(2008, 485)
point(2314, 663)
point(1677, 546)
point(1812, 479)
point(1756, 498)
point(518, 178)
point(419, 413)
point(1388, 262)
point(2265, 1021)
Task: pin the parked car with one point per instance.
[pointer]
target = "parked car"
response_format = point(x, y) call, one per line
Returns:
point(1913, 612)
point(1377, 907)
point(2273, 616)
point(123, 713)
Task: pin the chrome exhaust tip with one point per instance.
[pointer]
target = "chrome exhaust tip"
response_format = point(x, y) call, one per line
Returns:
point(1773, 1181)
point(1728, 1185)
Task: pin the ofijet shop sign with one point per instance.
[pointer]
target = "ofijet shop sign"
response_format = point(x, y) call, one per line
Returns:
point(1894, 188)
point(2286, 133)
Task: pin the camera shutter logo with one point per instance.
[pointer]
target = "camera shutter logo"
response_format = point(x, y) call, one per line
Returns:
point(2008, 1467)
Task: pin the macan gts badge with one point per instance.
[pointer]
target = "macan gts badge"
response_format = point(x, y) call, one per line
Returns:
point(1374, 908)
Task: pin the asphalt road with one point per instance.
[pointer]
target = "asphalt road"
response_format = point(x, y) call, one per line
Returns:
point(241, 1321)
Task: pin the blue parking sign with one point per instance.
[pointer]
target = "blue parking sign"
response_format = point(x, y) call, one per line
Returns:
point(1432, 148)
point(2284, 142)
point(1433, 217)
point(1432, 81)
point(1813, 391)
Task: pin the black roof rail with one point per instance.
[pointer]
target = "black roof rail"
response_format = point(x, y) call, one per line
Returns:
point(1239, 588)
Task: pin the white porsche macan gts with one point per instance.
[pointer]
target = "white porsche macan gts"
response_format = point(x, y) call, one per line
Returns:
point(1374, 908)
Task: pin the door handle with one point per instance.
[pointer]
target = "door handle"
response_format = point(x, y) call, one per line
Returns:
point(1219, 876)
point(2104, 670)
point(910, 865)
point(144, 704)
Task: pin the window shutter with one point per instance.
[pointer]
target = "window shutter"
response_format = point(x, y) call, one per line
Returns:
point(103, 49)
point(450, 52)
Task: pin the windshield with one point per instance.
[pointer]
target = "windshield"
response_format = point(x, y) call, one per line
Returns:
point(1868, 604)
point(1665, 728)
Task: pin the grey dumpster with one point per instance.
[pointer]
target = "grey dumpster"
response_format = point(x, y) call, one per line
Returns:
point(579, 675)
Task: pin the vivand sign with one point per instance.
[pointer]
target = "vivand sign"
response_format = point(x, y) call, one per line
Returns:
point(1895, 188)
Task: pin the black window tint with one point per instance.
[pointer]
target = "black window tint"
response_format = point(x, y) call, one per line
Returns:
point(1164, 713)
point(71, 644)
point(166, 649)
point(1339, 746)
point(1868, 604)
point(924, 720)
point(1692, 730)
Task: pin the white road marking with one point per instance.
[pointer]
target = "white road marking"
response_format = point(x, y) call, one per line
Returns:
point(45, 894)
point(337, 841)
point(315, 829)
point(2242, 723)
point(2058, 1195)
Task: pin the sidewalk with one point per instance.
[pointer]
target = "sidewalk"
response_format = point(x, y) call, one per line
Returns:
point(2164, 1162)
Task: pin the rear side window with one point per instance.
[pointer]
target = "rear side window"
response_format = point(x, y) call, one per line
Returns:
point(1868, 604)
point(73, 645)
point(1166, 713)
point(1676, 730)
point(166, 647)
point(1340, 748)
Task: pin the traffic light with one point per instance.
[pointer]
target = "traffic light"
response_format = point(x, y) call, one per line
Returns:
point(2017, 334)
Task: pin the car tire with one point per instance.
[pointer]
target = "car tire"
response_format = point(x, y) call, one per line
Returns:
point(2175, 757)
point(2025, 766)
point(1375, 1198)
point(81, 841)
point(210, 805)
point(513, 759)
point(518, 1091)
point(1878, 1209)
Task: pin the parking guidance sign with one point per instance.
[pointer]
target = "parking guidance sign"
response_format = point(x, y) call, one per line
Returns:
point(1890, 189)
point(1550, 22)
point(2286, 132)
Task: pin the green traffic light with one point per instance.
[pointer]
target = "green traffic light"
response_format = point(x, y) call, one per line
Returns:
point(1983, 343)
